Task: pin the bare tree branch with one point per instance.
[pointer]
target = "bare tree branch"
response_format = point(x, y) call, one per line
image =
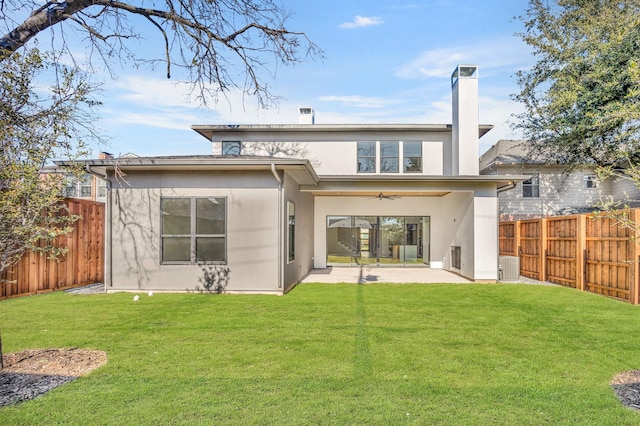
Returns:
point(210, 40)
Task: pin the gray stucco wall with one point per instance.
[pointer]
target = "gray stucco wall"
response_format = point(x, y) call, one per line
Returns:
point(252, 232)
point(299, 268)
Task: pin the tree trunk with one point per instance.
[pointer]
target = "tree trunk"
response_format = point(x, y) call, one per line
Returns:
point(38, 22)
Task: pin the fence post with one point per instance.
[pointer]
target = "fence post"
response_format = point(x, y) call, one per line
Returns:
point(634, 281)
point(581, 245)
point(543, 249)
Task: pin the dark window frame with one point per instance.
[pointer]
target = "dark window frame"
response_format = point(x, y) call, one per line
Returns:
point(411, 158)
point(193, 235)
point(360, 150)
point(531, 187)
point(589, 182)
point(385, 157)
point(233, 148)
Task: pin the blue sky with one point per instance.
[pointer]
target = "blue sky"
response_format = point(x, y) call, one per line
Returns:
point(386, 62)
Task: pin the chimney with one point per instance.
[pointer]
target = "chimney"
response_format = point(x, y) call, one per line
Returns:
point(105, 156)
point(306, 115)
point(464, 135)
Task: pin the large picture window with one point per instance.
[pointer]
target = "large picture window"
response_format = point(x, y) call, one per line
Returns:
point(531, 187)
point(193, 230)
point(389, 155)
point(366, 157)
point(412, 161)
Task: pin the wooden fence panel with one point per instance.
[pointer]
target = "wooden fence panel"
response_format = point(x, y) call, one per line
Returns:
point(83, 264)
point(562, 250)
point(530, 248)
point(507, 239)
point(609, 257)
point(590, 252)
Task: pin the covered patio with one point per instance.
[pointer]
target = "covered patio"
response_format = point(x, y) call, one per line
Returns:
point(372, 274)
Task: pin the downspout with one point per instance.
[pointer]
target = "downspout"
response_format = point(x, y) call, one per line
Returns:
point(108, 261)
point(275, 175)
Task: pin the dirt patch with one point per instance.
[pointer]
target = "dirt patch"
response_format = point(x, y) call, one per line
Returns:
point(31, 373)
point(626, 385)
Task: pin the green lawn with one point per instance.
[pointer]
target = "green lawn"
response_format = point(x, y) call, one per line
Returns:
point(334, 354)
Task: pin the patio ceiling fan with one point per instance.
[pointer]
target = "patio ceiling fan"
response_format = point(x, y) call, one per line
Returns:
point(381, 196)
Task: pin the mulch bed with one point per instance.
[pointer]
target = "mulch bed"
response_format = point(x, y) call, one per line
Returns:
point(31, 373)
point(626, 386)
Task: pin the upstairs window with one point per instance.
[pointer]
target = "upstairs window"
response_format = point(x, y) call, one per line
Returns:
point(366, 157)
point(85, 186)
point(193, 230)
point(231, 147)
point(589, 181)
point(531, 187)
point(389, 157)
point(412, 157)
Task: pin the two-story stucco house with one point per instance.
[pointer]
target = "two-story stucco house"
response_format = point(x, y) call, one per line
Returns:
point(405, 195)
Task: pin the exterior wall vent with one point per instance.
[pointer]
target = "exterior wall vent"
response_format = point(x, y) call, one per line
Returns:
point(456, 257)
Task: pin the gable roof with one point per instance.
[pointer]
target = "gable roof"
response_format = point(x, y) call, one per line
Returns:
point(507, 152)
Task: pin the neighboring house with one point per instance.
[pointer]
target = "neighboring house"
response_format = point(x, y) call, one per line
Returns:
point(406, 195)
point(87, 187)
point(550, 190)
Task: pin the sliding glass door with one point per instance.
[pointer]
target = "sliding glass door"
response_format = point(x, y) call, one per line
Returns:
point(377, 240)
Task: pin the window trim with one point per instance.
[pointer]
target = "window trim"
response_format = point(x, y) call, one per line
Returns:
point(405, 157)
point(589, 181)
point(374, 156)
point(397, 156)
point(235, 144)
point(193, 236)
point(529, 183)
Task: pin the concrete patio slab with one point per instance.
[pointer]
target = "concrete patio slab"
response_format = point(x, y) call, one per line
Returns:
point(370, 275)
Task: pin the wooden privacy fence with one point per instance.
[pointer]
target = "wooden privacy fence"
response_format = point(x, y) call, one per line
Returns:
point(82, 264)
point(590, 252)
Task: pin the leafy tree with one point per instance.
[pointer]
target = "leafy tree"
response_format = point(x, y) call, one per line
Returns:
point(221, 44)
point(37, 125)
point(582, 96)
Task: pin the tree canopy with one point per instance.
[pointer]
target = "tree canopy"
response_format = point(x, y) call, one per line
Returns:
point(36, 125)
point(582, 96)
point(221, 44)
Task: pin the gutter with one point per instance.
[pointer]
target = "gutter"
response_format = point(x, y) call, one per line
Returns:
point(108, 261)
point(507, 187)
point(280, 245)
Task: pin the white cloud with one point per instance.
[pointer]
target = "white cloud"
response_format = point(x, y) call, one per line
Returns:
point(359, 101)
point(154, 92)
point(490, 55)
point(362, 21)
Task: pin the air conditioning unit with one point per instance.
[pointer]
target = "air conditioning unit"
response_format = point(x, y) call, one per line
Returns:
point(509, 268)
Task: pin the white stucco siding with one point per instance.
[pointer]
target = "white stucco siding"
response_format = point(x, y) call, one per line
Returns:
point(458, 230)
point(333, 158)
point(251, 233)
point(341, 158)
point(485, 237)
